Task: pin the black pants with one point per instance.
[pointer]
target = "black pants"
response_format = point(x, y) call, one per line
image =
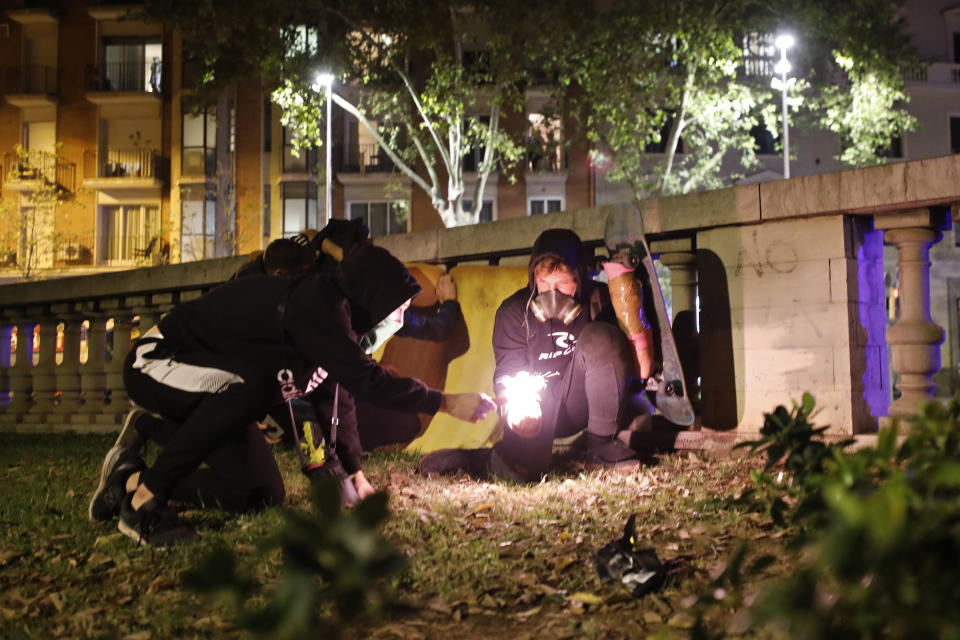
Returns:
point(589, 398)
point(210, 402)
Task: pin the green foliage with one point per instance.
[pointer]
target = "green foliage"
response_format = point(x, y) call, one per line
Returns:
point(887, 527)
point(342, 549)
point(670, 72)
point(789, 440)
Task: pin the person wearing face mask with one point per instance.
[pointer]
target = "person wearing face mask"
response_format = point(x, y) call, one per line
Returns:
point(211, 367)
point(561, 328)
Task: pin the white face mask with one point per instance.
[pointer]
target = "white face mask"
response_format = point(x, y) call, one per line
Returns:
point(374, 339)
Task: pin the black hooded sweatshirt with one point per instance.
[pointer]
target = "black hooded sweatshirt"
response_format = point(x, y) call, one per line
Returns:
point(308, 324)
point(523, 343)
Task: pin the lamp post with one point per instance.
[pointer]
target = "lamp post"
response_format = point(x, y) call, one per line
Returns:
point(784, 42)
point(326, 79)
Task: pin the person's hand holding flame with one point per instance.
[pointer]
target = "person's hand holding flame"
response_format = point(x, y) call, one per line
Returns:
point(520, 402)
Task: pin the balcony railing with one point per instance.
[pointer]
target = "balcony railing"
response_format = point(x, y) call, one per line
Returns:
point(546, 160)
point(935, 73)
point(364, 158)
point(32, 80)
point(125, 163)
point(31, 166)
point(126, 76)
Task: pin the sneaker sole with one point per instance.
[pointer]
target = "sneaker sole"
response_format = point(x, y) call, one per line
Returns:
point(109, 462)
point(130, 532)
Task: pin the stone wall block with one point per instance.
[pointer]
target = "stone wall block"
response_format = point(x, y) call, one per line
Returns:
point(800, 196)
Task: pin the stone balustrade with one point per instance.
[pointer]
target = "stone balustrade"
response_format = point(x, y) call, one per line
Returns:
point(78, 385)
point(777, 289)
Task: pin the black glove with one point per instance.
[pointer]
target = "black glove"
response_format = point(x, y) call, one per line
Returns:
point(332, 467)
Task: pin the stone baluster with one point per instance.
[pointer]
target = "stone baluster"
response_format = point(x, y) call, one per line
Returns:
point(119, 401)
point(68, 372)
point(93, 377)
point(6, 335)
point(21, 373)
point(915, 339)
point(45, 372)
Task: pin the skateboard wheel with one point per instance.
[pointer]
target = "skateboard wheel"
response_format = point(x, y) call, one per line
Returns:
point(674, 388)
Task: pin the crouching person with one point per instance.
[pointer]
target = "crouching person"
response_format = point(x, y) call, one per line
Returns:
point(561, 332)
point(211, 367)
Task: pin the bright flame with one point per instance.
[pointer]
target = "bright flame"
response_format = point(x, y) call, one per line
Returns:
point(522, 393)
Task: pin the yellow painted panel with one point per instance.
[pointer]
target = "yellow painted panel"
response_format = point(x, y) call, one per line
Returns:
point(480, 289)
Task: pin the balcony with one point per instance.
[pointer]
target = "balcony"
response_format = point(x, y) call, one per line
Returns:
point(124, 169)
point(940, 75)
point(32, 86)
point(125, 83)
point(29, 171)
point(364, 159)
point(541, 159)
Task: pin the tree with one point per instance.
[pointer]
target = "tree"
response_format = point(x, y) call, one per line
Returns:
point(680, 73)
point(430, 80)
point(30, 235)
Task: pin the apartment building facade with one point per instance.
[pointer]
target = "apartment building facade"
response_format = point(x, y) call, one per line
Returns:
point(113, 170)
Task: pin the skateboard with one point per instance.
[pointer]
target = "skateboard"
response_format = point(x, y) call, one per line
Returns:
point(623, 236)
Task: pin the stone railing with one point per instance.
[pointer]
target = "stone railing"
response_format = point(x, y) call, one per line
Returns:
point(45, 384)
point(777, 289)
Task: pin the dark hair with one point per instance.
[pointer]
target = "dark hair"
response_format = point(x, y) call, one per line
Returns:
point(285, 255)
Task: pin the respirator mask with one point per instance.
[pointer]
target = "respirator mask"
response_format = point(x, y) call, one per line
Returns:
point(374, 339)
point(555, 305)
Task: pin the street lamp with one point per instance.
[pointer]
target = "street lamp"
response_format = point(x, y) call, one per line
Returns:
point(784, 42)
point(326, 79)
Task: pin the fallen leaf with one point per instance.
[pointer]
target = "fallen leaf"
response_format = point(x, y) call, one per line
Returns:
point(652, 618)
point(139, 635)
point(439, 605)
point(7, 556)
point(56, 602)
point(683, 534)
point(529, 612)
point(563, 563)
point(682, 620)
point(98, 559)
point(158, 584)
point(586, 598)
point(61, 536)
point(102, 540)
point(488, 602)
point(244, 548)
point(486, 506)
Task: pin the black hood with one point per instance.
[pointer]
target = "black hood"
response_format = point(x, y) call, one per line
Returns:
point(561, 243)
point(375, 283)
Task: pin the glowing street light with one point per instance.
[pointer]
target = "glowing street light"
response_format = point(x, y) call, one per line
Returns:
point(326, 80)
point(784, 42)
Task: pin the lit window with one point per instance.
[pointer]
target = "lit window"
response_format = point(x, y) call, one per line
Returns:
point(382, 218)
point(537, 206)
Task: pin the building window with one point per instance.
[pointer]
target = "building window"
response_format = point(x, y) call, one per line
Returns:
point(132, 64)
point(759, 54)
point(486, 211)
point(956, 47)
point(298, 160)
point(892, 150)
point(199, 146)
point(382, 218)
point(763, 141)
point(473, 157)
point(129, 232)
point(954, 134)
point(299, 207)
point(198, 222)
point(544, 143)
point(660, 146)
point(266, 209)
point(536, 206)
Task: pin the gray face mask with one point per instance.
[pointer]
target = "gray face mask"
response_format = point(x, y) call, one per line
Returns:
point(553, 304)
point(374, 339)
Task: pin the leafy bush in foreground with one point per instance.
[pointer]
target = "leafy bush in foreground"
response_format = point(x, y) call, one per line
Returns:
point(330, 555)
point(882, 531)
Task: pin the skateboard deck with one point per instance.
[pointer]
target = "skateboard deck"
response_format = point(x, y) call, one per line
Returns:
point(623, 236)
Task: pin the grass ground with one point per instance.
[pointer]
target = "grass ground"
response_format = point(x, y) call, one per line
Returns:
point(483, 558)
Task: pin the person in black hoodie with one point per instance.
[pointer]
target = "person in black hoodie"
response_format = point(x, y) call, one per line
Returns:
point(560, 326)
point(212, 366)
